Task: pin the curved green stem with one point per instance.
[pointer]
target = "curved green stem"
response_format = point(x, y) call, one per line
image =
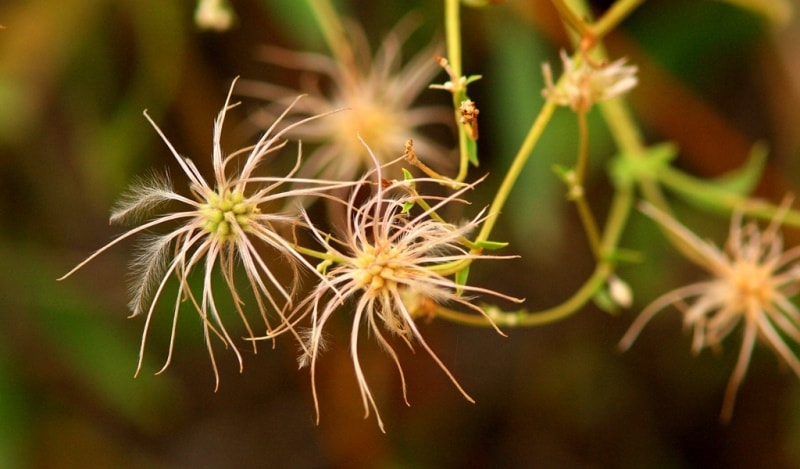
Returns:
point(525, 318)
point(577, 191)
point(514, 171)
point(628, 139)
point(617, 219)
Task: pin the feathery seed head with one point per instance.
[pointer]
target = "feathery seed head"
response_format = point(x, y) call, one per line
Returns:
point(375, 95)
point(224, 210)
point(220, 226)
point(395, 261)
point(752, 282)
point(584, 84)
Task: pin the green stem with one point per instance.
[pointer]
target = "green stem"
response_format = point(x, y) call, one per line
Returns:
point(628, 139)
point(613, 17)
point(514, 171)
point(525, 318)
point(577, 191)
point(723, 199)
point(452, 23)
point(626, 135)
point(568, 16)
point(463, 151)
point(313, 253)
point(583, 147)
point(594, 32)
point(332, 31)
point(589, 223)
point(617, 218)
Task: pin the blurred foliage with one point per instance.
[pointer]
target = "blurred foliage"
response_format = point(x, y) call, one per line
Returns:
point(75, 76)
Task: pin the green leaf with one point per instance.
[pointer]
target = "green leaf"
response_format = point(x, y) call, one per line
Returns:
point(722, 194)
point(563, 172)
point(491, 245)
point(629, 168)
point(472, 78)
point(743, 180)
point(602, 299)
point(472, 152)
point(627, 256)
point(462, 276)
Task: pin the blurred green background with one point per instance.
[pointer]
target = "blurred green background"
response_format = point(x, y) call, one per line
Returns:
point(75, 76)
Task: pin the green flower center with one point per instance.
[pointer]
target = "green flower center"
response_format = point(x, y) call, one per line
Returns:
point(377, 268)
point(223, 210)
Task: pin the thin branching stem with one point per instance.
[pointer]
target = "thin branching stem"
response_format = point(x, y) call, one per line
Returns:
point(577, 191)
point(452, 22)
point(629, 139)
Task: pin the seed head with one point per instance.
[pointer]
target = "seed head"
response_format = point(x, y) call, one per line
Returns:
point(375, 95)
point(220, 224)
point(391, 264)
point(752, 282)
point(583, 84)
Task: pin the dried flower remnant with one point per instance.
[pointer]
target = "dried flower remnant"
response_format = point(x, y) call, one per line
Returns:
point(220, 227)
point(753, 281)
point(392, 266)
point(583, 84)
point(375, 95)
point(469, 117)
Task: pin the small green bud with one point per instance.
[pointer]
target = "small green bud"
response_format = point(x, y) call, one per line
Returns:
point(224, 228)
point(243, 221)
point(215, 216)
point(240, 208)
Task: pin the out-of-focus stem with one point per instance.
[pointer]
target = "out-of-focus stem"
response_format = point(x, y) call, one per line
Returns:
point(576, 189)
point(332, 31)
